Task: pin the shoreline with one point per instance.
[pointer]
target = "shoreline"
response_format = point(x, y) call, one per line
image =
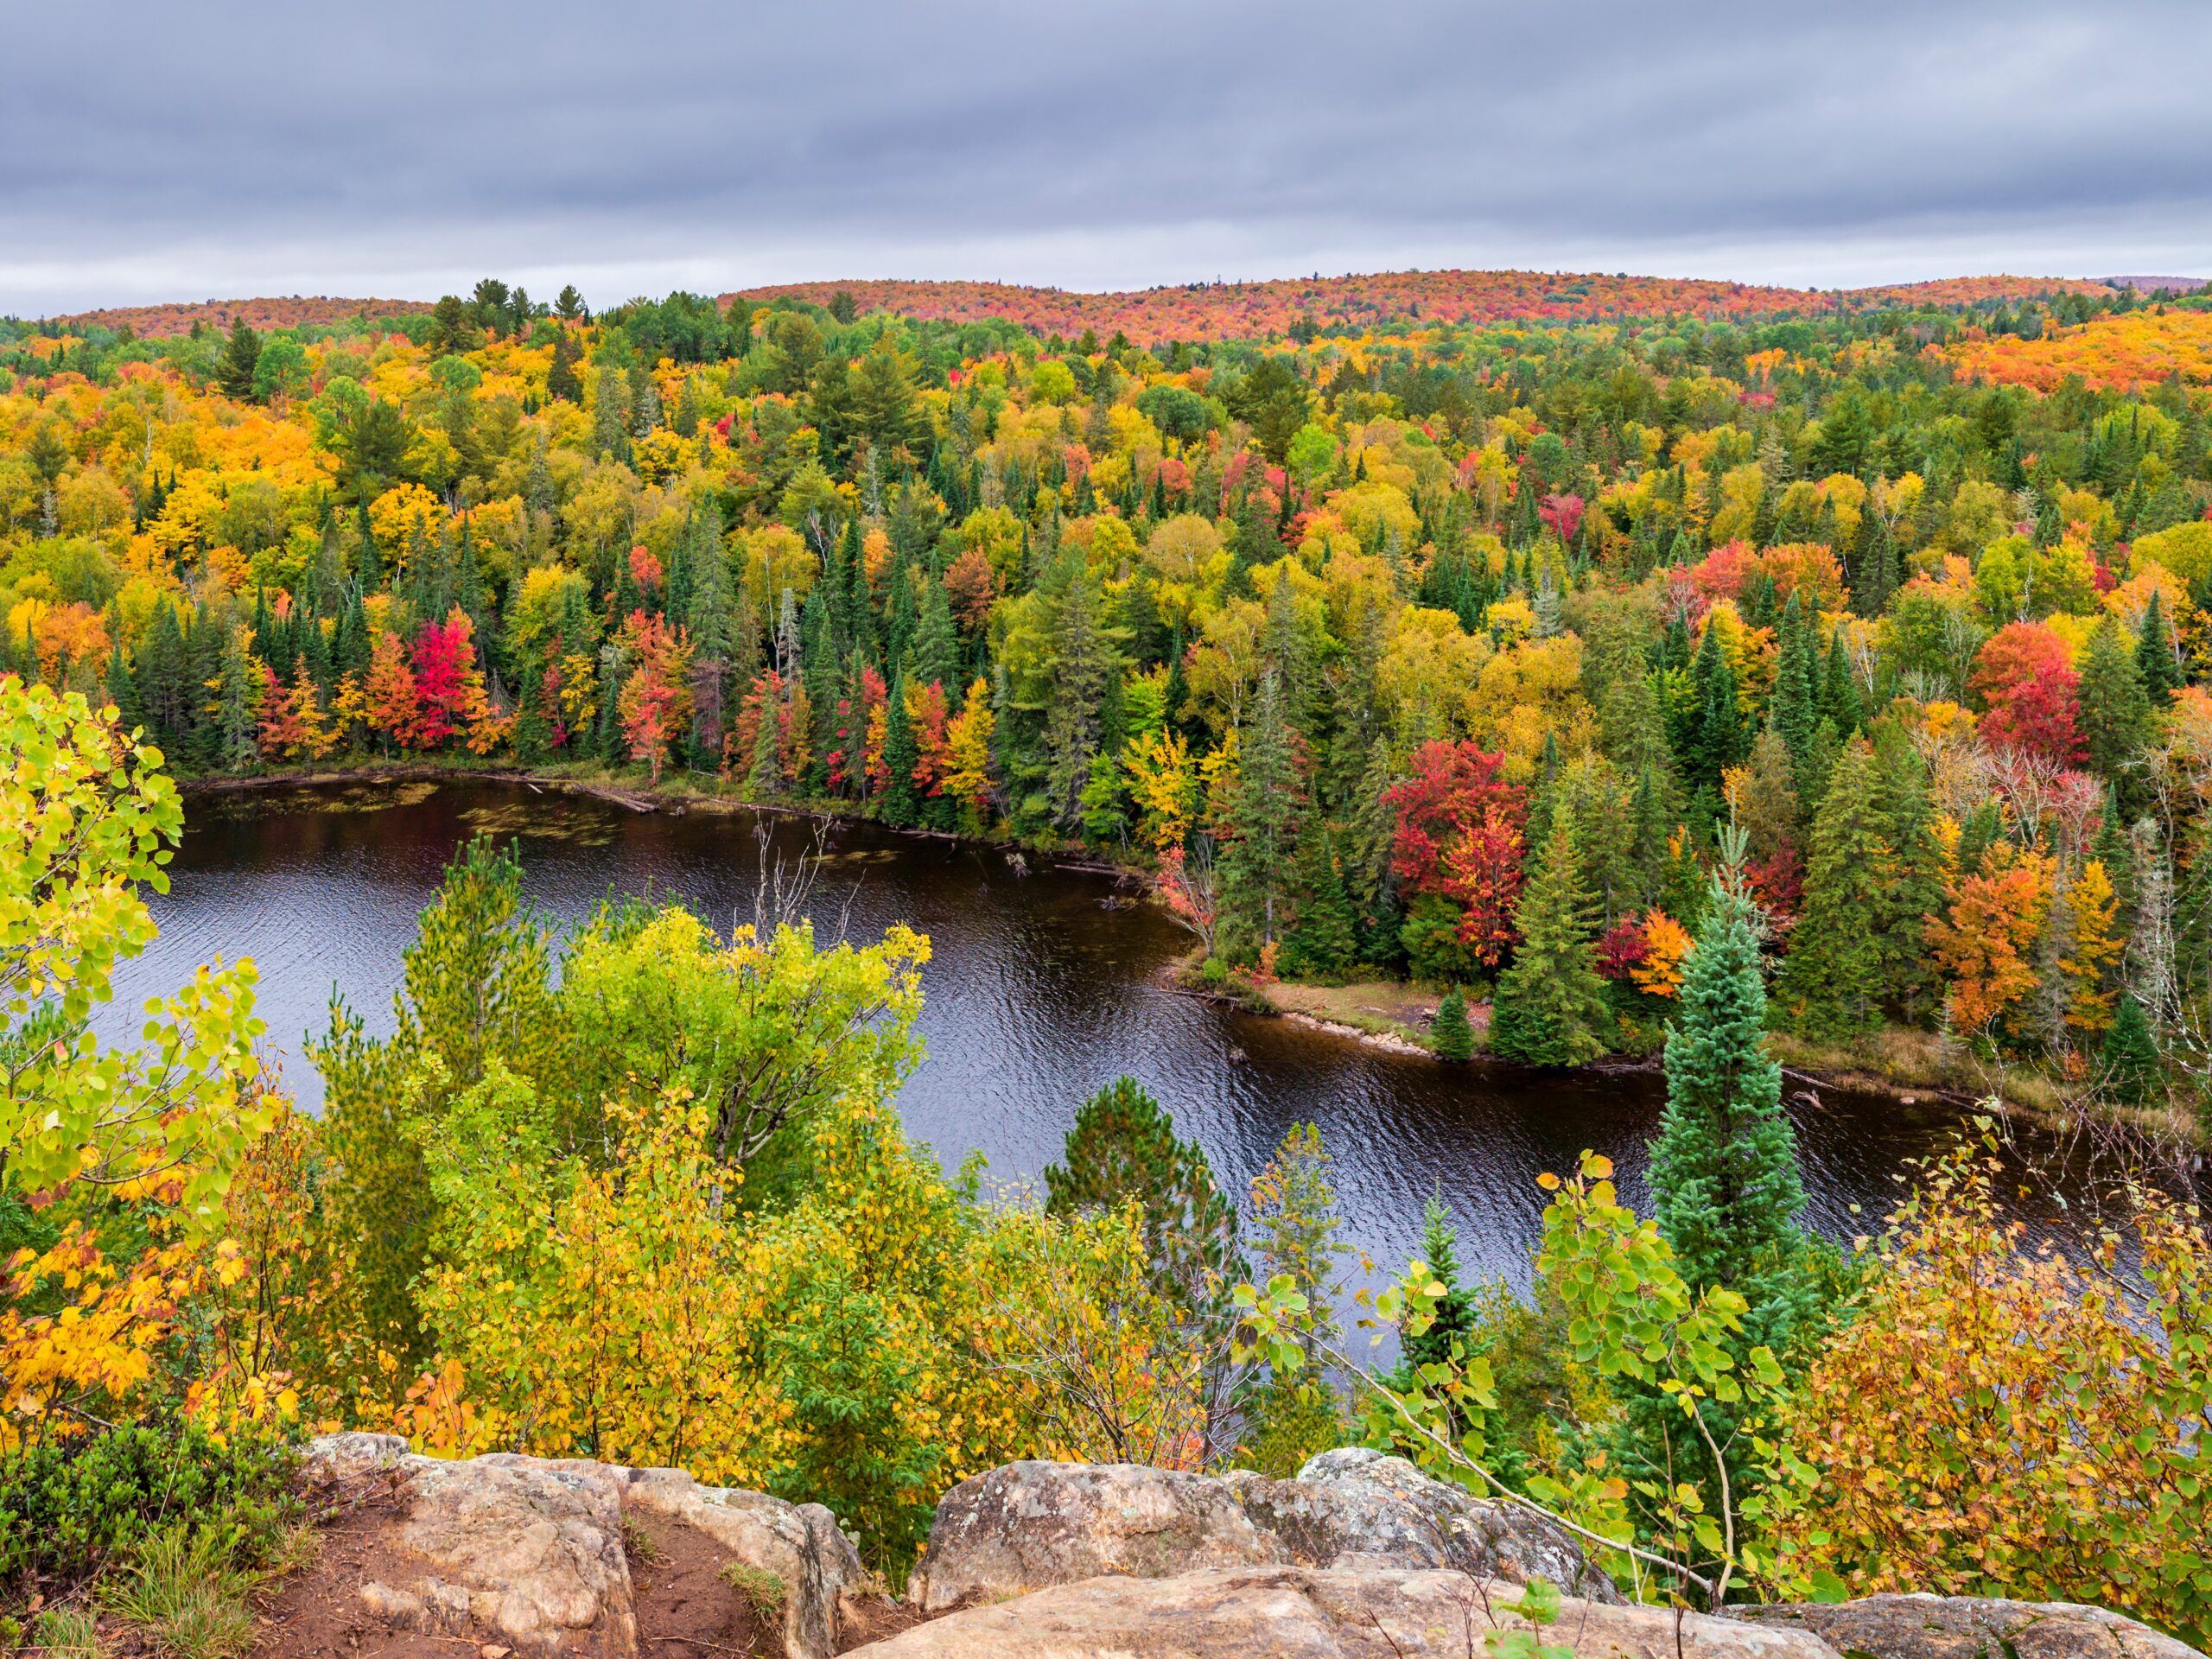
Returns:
point(1927, 1075)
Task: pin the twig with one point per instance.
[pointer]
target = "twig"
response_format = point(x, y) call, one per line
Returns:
point(1509, 1496)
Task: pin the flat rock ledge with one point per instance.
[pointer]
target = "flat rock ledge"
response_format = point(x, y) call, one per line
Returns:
point(1303, 1612)
point(1972, 1627)
point(531, 1549)
point(1030, 1526)
point(1307, 1612)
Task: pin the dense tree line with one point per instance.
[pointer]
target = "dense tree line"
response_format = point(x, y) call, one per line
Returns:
point(1445, 651)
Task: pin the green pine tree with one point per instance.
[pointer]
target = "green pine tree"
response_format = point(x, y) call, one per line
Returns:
point(1833, 980)
point(1323, 938)
point(241, 356)
point(1454, 1317)
point(1124, 1148)
point(937, 647)
point(2154, 656)
point(1550, 1007)
point(1717, 738)
point(2131, 1061)
point(1265, 808)
point(1451, 1036)
point(1840, 689)
point(899, 802)
point(1795, 709)
point(2115, 712)
point(1727, 1196)
point(1724, 1176)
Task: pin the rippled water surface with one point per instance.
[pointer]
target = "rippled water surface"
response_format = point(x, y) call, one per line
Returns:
point(1042, 987)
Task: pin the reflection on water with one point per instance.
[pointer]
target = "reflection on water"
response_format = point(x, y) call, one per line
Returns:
point(1041, 988)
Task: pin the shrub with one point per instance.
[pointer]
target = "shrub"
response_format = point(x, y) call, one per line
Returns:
point(67, 1509)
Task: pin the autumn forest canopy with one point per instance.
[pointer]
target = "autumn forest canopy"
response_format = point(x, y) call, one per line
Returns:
point(1668, 668)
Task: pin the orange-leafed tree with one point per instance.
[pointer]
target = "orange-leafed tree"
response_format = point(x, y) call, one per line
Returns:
point(1986, 943)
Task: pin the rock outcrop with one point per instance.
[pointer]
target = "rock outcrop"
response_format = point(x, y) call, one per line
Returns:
point(1969, 1627)
point(1029, 1525)
point(532, 1550)
point(1303, 1612)
point(1360, 1557)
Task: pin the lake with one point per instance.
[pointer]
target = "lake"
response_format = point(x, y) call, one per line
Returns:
point(1044, 984)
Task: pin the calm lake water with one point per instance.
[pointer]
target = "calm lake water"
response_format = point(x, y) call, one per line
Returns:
point(1042, 987)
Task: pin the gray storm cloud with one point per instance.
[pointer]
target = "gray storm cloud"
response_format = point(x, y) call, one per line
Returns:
point(151, 151)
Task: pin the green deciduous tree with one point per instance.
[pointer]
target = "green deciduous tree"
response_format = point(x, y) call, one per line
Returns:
point(86, 821)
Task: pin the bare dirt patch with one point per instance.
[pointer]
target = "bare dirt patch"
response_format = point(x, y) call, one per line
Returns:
point(687, 1608)
point(317, 1612)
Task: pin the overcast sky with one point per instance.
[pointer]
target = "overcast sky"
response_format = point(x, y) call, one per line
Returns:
point(154, 151)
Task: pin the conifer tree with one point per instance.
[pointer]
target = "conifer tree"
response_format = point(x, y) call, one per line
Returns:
point(1454, 1316)
point(936, 648)
point(1451, 1036)
point(1833, 982)
point(899, 802)
point(1123, 1148)
point(1725, 1181)
point(707, 616)
point(1795, 709)
point(1265, 809)
point(765, 777)
point(2114, 711)
point(1550, 1007)
point(1082, 664)
point(1323, 938)
point(1910, 887)
point(1717, 738)
point(1840, 689)
point(1727, 1194)
point(2131, 1058)
point(2154, 656)
point(241, 356)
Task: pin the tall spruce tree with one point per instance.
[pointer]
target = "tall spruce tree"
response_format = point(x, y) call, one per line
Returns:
point(1550, 1007)
point(707, 616)
point(1717, 738)
point(1082, 664)
point(2154, 656)
point(1265, 808)
point(1323, 938)
point(1833, 981)
point(2115, 712)
point(1795, 709)
point(1450, 1036)
point(1453, 1319)
point(937, 647)
point(1727, 1196)
point(1725, 1180)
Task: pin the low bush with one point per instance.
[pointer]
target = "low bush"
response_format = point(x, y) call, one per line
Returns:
point(68, 1508)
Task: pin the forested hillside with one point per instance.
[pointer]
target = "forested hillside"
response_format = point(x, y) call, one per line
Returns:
point(1391, 643)
point(1218, 310)
point(1674, 681)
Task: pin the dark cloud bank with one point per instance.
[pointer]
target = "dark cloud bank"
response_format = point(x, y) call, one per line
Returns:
point(151, 151)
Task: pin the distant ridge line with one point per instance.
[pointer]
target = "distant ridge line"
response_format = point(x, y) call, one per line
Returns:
point(2152, 284)
point(1218, 309)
